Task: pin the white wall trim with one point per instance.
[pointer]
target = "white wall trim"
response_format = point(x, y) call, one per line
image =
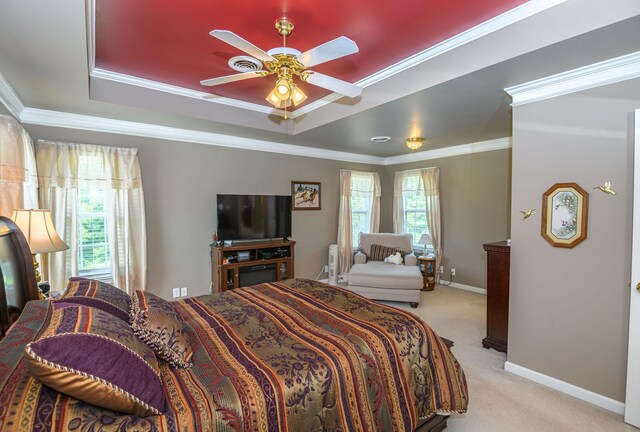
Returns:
point(462, 149)
point(9, 98)
point(463, 287)
point(598, 74)
point(180, 91)
point(492, 25)
point(564, 387)
point(100, 124)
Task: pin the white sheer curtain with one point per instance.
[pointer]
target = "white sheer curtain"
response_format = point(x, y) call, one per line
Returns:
point(65, 167)
point(18, 176)
point(429, 185)
point(363, 189)
point(431, 181)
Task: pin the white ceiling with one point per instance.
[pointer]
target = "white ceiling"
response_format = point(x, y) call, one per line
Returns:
point(453, 98)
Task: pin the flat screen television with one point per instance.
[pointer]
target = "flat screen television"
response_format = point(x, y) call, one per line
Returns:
point(252, 217)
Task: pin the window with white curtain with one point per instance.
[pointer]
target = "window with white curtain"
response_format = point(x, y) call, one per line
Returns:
point(97, 205)
point(414, 218)
point(93, 252)
point(362, 185)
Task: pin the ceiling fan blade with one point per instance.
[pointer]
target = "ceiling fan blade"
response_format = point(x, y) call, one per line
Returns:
point(229, 78)
point(334, 84)
point(243, 45)
point(339, 47)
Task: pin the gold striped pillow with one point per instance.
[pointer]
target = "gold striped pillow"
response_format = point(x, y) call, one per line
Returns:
point(380, 252)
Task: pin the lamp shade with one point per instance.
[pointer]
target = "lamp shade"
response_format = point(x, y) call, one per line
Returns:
point(37, 227)
point(425, 239)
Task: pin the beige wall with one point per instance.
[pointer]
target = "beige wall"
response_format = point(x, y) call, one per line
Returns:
point(180, 183)
point(475, 202)
point(569, 307)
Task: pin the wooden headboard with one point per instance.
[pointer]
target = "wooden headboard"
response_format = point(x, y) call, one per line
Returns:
point(17, 275)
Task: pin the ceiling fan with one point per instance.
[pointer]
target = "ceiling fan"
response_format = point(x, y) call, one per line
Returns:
point(285, 63)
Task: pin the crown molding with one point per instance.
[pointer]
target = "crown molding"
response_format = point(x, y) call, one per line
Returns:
point(100, 124)
point(598, 74)
point(459, 150)
point(180, 91)
point(526, 10)
point(9, 98)
point(42, 117)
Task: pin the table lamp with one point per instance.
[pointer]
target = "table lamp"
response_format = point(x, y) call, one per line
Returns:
point(37, 227)
point(425, 240)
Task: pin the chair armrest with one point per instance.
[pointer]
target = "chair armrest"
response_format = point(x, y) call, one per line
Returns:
point(410, 259)
point(360, 258)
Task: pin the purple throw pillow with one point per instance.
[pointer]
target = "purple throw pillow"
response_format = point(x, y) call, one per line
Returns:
point(96, 294)
point(87, 354)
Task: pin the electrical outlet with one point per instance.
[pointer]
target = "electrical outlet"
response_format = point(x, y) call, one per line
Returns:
point(176, 292)
point(183, 292)
point(453, 272)
point(440, 269)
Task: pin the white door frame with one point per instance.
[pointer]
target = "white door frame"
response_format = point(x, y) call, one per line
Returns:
point(632, 400)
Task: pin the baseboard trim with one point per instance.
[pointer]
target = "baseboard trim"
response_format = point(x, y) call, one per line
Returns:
point(564, 387)
point(463, 287)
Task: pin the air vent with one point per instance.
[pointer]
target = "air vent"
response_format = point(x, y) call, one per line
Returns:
point(245, 64)
point(380, 139)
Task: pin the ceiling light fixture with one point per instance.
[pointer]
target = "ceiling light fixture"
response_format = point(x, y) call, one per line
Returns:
point(286, 63)
point(286, 92)
point(414, 143)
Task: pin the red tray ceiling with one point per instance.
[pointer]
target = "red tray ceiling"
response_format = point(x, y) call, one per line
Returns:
point(169, 41)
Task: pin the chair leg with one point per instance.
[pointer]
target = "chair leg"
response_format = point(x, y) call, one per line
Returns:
point(413, 304)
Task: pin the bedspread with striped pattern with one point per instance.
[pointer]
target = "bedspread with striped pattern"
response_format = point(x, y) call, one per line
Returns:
point(296, 355)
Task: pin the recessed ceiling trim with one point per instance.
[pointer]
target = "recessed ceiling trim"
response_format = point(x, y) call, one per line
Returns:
point(598, 74)
point(459, 150)
point(9, 98)
point(505, 19)
point(99, 124)
point(91, 34)
point(179, 91)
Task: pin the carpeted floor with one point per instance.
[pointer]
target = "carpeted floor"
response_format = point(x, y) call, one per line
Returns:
point(500, 401)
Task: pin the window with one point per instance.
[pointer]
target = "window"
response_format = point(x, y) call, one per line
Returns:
point(362, 195)
point(93, 243)
point(414, 206)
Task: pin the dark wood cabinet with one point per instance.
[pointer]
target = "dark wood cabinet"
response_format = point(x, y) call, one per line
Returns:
point(498, 263)
point(246, 264)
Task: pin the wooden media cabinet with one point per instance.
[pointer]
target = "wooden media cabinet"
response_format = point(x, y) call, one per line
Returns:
point(246, 264)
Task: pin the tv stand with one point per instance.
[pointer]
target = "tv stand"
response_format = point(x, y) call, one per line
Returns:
point(245, 264)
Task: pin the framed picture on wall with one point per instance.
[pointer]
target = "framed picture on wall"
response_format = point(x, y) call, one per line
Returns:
point(565, 207)
point(305, 195)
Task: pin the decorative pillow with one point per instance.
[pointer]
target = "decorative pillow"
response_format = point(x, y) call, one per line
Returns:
point(380, 252)
point(155, 321)
point(87, 354)
point(97, 294)
point(394, 259)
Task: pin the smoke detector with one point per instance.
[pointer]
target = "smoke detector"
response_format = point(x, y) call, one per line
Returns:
point(245, 64)
point(380, 139)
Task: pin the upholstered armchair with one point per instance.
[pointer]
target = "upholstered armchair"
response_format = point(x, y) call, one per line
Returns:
point(373, 278)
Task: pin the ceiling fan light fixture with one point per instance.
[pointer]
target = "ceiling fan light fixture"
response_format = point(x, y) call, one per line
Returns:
point(273, 98)
point(414, 143)
point(297, 95)
point(283, 89)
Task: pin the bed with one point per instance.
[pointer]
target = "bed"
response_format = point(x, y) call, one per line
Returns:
point(295, 355)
